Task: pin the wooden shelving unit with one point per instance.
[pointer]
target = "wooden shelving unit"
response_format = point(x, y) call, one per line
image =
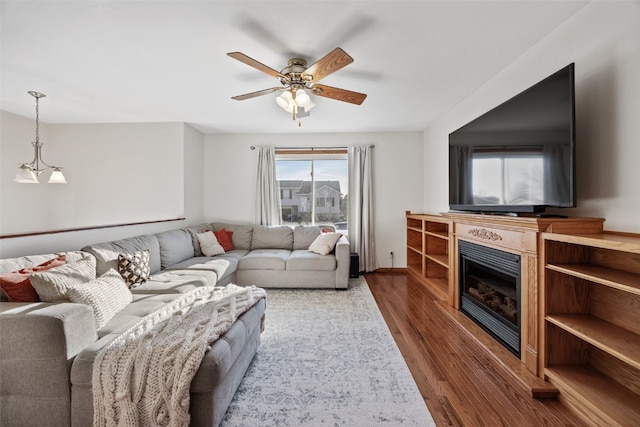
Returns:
point(590, 293)
point(429, 251)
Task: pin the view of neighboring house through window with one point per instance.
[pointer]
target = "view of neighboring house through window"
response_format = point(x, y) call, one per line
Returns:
point(313, 187)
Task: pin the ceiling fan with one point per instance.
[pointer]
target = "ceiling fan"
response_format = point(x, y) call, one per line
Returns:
point(296, 77)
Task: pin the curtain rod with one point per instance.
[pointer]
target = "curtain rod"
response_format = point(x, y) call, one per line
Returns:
point(253, 147)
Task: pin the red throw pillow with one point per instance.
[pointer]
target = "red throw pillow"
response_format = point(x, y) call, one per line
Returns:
point(224, 238)
point(17, 284)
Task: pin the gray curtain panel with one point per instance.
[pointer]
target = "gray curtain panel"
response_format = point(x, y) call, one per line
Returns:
point(267, 191)
point(361, 224)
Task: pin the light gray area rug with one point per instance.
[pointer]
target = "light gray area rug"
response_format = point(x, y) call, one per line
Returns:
point(327, 358)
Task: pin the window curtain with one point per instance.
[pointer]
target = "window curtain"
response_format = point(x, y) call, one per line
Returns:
point(557, 179)
point(461, 186)
point(361, 224)
point(267, 190)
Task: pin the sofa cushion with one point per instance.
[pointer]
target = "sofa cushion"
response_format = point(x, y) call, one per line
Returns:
point(325, 243)
point(52, 285)
point(106, 295)
point(269, 237)
point(176, 282)
point(304, 235)
point(242, 234)
point(17, 286)
point(134, 268)
point(175, 246)
point(221, 265)
point(264, 259)
point(107, 253)
point(310, 261)
point(141, 305)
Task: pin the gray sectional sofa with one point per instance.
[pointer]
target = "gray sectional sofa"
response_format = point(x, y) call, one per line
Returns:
point(47, 349)
point(269, 257)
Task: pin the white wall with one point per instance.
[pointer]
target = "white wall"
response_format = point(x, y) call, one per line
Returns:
point(603, 39)
point(116, 173)
point(193, 175)
point(230, 175)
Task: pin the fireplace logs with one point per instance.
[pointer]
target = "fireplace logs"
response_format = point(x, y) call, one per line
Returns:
point(491, 293)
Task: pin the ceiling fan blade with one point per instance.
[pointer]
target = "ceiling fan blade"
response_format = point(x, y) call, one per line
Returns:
point(330, 63)
point(258, 93)
point(339, 94)
point(255, 64)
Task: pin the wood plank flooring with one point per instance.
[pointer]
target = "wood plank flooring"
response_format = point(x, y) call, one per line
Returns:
point(460, 382)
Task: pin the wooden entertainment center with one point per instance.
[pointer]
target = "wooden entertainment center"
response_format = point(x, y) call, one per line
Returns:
point(579, 300)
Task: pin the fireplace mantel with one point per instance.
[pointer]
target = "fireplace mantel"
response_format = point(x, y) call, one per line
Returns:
point(432, 239)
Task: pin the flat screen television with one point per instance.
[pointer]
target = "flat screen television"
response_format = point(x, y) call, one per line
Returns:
point(518, 157)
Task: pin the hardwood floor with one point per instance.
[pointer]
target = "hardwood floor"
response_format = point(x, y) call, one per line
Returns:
point(460, 382)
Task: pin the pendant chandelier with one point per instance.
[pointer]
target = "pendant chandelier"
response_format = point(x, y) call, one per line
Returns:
point(28, 173)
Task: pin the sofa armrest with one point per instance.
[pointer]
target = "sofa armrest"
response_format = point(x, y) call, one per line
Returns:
point(38, 342)
point(343, 260)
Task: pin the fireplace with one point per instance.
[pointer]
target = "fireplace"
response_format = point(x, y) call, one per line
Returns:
point(490, 291)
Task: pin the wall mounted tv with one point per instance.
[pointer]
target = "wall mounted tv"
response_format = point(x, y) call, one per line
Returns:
point(520, 156)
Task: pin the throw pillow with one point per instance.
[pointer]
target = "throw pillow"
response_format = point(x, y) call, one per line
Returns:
point(325, 243)
point(106, 295)
point(52, 285)
point(224, 238)
point(17, 284)
point(134, 268)
point(209, 244)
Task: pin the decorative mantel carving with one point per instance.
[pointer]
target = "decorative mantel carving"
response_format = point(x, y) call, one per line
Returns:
point(483, 233)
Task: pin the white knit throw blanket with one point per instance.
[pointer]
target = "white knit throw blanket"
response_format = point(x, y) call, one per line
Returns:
point(142, 378)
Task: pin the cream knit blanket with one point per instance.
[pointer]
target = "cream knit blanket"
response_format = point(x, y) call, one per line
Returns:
point(142, 377)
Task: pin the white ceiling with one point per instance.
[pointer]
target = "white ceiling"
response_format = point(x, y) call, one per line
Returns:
point(165, 61)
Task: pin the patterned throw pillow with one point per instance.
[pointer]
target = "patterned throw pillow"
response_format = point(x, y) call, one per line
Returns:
point(134, 268)
point(17, 284)
point(106, 295)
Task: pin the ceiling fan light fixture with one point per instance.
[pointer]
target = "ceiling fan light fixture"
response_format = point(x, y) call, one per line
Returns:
point(297, 76)
point(302, 99)
point(309, 105)
point(282, 102)
point(285, 100)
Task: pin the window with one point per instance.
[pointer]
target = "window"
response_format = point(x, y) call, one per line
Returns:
point(508, 177)
point(313, 186)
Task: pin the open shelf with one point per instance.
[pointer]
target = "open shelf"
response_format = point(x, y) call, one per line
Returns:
point(429, 251)
point(591, 295)
point(617, 279)
point(443, 259)
point(612, 339)
point(605, 402)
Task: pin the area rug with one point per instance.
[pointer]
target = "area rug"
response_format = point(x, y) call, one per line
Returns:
point(327, 358)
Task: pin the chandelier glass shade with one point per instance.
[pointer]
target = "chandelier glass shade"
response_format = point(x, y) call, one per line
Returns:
point(29, 173)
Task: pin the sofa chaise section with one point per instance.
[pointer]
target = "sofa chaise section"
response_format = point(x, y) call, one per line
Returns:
point(47, 349)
